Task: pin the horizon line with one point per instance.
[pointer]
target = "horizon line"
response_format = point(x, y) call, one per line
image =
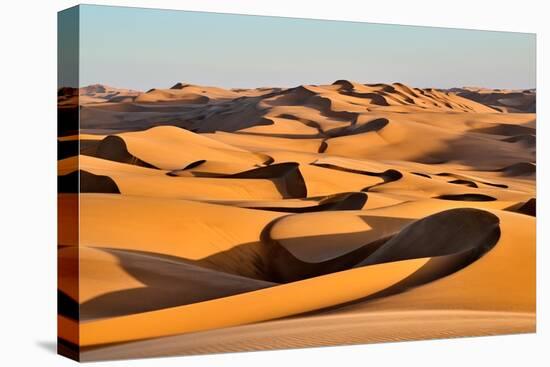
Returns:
point(298, 85)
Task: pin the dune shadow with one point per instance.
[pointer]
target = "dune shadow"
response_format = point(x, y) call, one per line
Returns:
point(463, 182)
point(421, 174)
point(388, 175)
point(443, 233)
point(528, 208)
point(483, 149)
point(81, 181)
point(519, 169)
point(466, 197)
point(114, 148)
point(167, 282)
point(469, 181)
point(286, 177)
point(355, 129)
point(341, 201)
point(505, 130)
point(451, 239)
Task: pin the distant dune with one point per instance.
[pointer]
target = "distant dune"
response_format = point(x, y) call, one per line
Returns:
point(504, 100)
point(216, 220)
point(99, 93)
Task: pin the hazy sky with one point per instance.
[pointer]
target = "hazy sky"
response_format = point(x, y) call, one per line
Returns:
point(145, 48)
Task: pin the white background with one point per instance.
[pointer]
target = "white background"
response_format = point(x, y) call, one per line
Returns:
point(28, 182)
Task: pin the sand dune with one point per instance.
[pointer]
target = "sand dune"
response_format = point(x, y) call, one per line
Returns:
point(217, 220)
point(520, 169)
point(380, 277)
point(97, 93)
point(120, 282)
point(502, 100)
point(309, 108)
point(372, 327)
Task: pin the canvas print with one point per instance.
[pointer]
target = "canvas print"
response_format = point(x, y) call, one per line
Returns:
point(238, 183)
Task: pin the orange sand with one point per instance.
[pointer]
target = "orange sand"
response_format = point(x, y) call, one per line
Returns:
point(219, 220)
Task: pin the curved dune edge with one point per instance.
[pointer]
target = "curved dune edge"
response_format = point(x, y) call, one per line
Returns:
point(114, 148)
point(436, 269)
point(224, 184)
point(286, 176)
point(459, 236)
point(243, 308)
point(340, 201)
point(466, 197)
point(520, 169)
point(510, 291)
point(170, 148)
point(403, 182)
point(334, 235)
point(121, 282)
point(89, 183)
point(140, 181)
point(173, 148)
point(472, 180)
point(528, 208)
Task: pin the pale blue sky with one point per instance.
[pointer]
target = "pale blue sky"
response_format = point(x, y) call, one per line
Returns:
point(147, 48)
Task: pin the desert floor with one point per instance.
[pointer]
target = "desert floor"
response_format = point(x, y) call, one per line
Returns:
point(215, 220)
